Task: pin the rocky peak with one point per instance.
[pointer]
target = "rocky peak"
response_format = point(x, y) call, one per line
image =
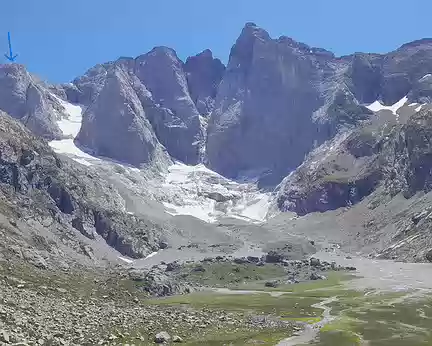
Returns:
point(161, 71)
point(204, 73)
point(115, 125)
point(25, 98)
point(252, 30)
point(151, 90)
point(271, 89)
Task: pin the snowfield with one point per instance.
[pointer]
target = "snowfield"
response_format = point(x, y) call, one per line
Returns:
point(70, 127)
point(185, 190)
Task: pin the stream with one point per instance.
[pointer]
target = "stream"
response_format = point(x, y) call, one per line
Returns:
point(310, 332)
point(379, 275)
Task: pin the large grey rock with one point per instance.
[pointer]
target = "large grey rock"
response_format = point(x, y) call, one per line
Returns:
point(91, 83)
point(272, 91)
point(23, 97)
point(162, 337)
point(389, 77)
point(204, 74)
point(157, 86)
point(421, 91)
point(115, 124)
point(276, 89)
point(179, 129)
point(391, 153)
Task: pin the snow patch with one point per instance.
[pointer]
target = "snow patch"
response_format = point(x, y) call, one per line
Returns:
point(70, 126)
point(418, 109)
point(425, 77)
point(257, 210)
point(203, 211)
point(377, 106)
point(127, 260)
point(151, 255)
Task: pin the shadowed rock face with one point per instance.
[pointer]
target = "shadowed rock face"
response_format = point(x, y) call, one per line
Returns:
point(204, 74)
point(58, 195)
point(279, 99)
point(178, 125)
point(391, 76)
point(394, 155)
point(25, 99)
point(276, 101)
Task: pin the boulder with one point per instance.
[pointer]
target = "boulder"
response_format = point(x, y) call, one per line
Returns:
point(162, 337)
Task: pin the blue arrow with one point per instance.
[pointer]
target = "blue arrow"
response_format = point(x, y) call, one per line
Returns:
point(10, 57)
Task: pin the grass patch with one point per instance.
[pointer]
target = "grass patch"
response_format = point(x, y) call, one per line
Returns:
point(284, 306)
point(268, 337)
point(380, 320)
point(332, 286)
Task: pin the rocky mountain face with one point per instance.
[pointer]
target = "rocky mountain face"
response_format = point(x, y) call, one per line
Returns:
point(54, 211)
point(279, 99)
point(156, 95)
point(325, 128)
point(25, 98)
point(271, 91)
point(204, 74)
point(115, 124)
point(391, 152)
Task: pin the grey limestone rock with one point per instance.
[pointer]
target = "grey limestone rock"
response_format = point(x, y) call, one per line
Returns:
point(204, 74)
point(115, 125)
point(24, 98)
point(279, 99)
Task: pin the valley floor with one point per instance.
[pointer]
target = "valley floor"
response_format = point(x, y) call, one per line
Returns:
point(385, 303)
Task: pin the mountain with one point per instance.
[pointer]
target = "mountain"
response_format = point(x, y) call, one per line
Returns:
point(152, 176)
point(279, 99)
point(204, 74)
point(115, 124)
point(157, 84)
point(317, 132)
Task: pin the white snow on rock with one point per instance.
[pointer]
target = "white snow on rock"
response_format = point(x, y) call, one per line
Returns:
point(127, 260)
point(418, 109)
point(425, 77)
point(377, 106)
point(187, 190)
point(417, 105)
point(204, 194)
point(70, 127)
point(151, 255)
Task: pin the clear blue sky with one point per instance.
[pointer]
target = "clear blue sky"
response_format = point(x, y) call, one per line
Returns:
point(61, 39)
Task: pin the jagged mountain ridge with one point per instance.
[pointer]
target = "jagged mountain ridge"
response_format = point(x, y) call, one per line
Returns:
point(165, 87)
point(239, 119)
point(277, 102)
point(271, 88)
